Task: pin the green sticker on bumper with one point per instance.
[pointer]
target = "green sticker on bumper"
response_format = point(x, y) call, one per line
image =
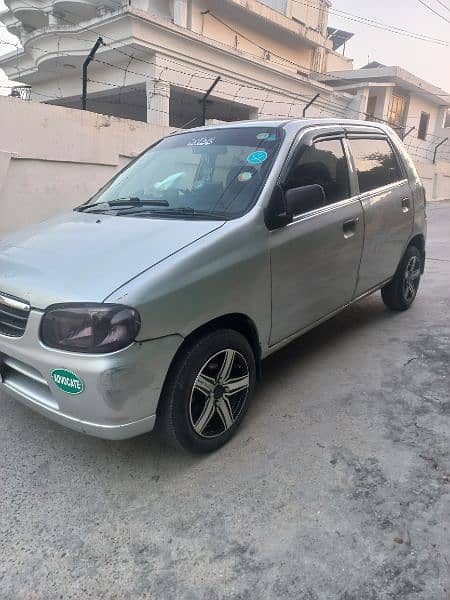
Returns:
point(67, 381)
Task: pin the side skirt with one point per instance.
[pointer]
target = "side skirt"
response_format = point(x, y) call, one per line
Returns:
point(271, 349)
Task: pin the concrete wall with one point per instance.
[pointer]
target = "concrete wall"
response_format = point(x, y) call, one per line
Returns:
point(335, 61)
point(436, 179)
point(256, 37)
point(54, 158)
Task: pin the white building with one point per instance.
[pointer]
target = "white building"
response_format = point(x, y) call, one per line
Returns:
point(418, 110)
point(160, 56)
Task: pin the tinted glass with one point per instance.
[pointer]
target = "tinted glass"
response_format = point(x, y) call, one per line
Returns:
point(323, 163)
point(219, 171)
point(376, 164)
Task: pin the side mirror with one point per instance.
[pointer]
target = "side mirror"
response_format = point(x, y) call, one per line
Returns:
point(276, 214)
point(303, 199)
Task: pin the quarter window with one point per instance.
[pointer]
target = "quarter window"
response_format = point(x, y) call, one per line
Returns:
point(324, 163)
point(376, 164)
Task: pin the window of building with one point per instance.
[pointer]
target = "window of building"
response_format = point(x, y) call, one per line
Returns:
point(324, 163)
point(447, 119)
point(423, 125)
point(376, 163)
point(397, 110)
point(278, 5)
point(371, 107)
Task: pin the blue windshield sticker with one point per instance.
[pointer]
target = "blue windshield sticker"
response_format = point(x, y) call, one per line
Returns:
point(258, 157)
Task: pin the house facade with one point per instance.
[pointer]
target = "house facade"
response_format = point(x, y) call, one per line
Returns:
point(159, 57)
point(418, 110)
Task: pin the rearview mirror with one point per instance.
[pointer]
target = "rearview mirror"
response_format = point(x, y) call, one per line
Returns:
point(303, 199)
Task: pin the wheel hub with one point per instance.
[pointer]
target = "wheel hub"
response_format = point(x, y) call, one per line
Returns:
point(219, 392)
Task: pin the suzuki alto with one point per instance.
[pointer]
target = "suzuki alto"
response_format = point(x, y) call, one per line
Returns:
point(154, 303)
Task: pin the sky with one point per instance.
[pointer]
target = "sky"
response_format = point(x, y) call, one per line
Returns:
point(425, 59)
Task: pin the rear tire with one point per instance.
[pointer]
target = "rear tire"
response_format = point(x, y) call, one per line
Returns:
point(401, 292)
point(207, 392)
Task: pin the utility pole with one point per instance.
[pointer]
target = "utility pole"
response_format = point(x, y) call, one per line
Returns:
point(86, 63)
point(204, 100)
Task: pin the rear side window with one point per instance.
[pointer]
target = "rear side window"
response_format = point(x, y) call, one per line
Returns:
point(376, 164)
point(324, 163)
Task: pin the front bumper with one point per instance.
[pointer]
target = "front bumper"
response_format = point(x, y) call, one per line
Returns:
point(121, 389)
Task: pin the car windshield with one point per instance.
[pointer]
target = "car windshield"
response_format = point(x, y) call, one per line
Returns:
point(215, 173)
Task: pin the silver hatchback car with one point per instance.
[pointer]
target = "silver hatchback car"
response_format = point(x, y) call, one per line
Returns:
point(153, 303)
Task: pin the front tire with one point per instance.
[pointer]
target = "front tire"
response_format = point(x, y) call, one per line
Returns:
point(207, 392)
point(401, 292)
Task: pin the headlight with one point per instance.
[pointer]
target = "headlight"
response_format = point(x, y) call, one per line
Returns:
point(89, 328)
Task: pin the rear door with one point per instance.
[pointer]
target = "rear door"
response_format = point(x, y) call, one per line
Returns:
point(388, 207)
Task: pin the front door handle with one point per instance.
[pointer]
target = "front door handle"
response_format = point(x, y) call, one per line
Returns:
point(405, 205)
point(349, 227)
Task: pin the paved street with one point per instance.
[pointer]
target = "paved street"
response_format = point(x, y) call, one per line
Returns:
point(337, 487)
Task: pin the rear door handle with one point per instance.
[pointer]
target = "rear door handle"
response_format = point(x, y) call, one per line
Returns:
point(405, 205)
point(349, 227)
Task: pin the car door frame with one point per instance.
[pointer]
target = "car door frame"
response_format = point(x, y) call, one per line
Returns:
point(311, 135)
point(367, 133)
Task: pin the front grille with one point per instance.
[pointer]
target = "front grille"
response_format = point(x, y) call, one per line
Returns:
point(14, 315)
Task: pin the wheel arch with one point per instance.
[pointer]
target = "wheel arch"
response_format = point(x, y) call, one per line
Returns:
point(240, 322)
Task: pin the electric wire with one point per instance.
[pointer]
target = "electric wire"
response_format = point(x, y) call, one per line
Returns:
point(430, 8)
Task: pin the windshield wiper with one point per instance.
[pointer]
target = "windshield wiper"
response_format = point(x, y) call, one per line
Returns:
point(132, 201)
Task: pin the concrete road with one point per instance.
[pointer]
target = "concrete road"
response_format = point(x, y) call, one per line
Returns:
point(337, 487)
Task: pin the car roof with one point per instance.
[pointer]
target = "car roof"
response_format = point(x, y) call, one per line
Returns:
point(293, 124)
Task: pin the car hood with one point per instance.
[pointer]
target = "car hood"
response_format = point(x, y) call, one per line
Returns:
point(79, 257)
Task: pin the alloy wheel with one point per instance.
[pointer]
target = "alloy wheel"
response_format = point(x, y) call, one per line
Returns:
point(411, 279)
point(219, 393)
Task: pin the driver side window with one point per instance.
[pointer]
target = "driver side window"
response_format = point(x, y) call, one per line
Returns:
point(323, 163)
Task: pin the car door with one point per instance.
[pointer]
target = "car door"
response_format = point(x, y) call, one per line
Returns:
point(315, 258)
point(387, 204)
